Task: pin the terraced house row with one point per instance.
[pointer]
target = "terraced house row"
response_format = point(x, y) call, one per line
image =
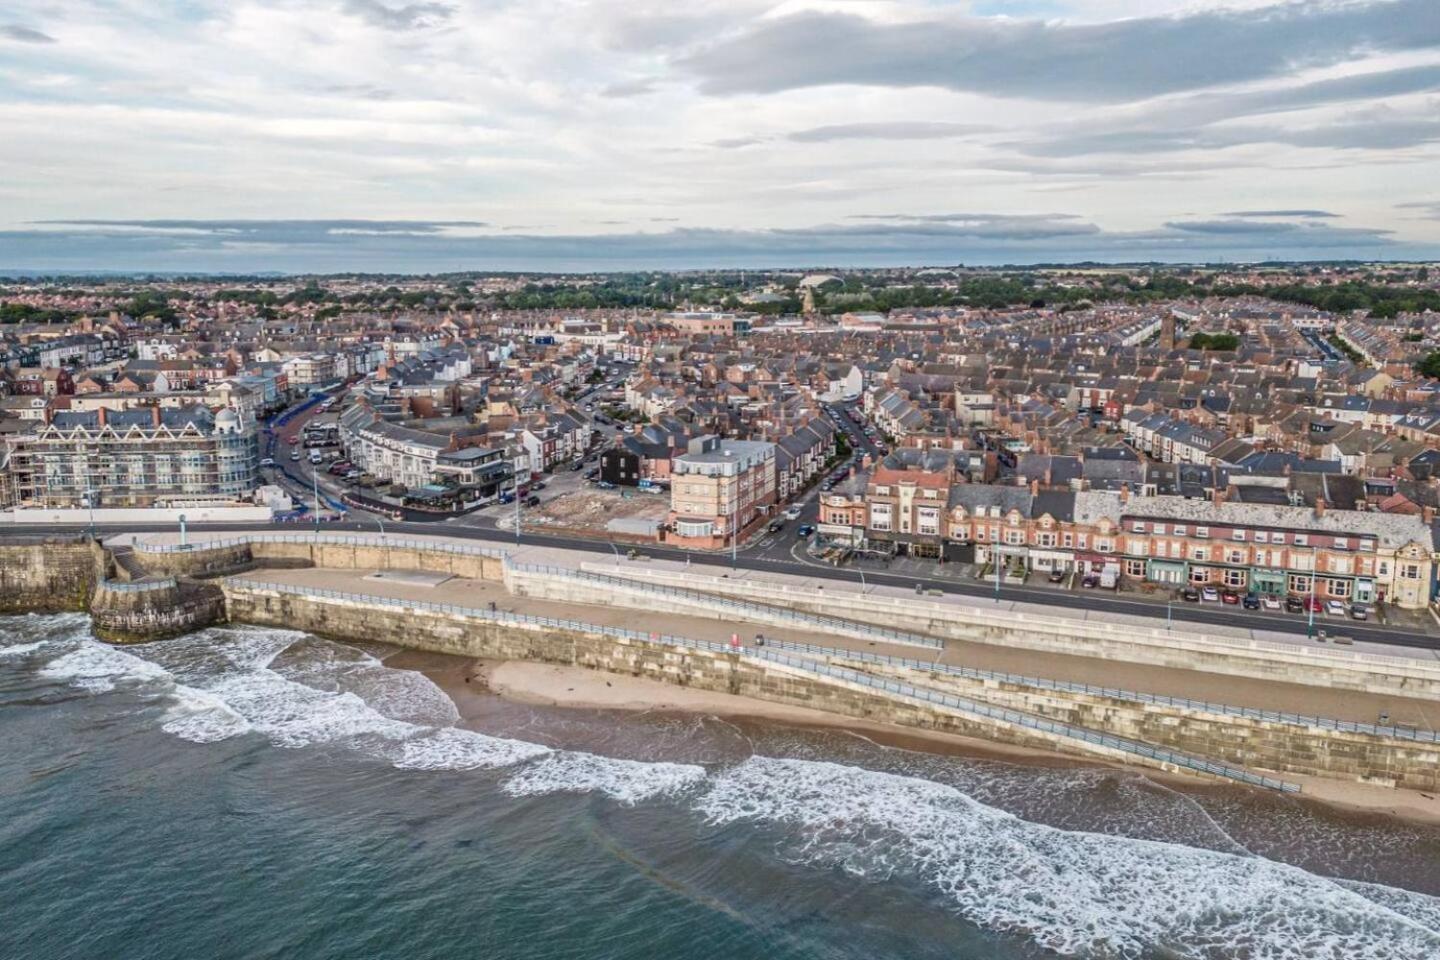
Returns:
point(1245, 538)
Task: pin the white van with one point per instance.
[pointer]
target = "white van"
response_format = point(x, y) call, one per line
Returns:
point(315, 456)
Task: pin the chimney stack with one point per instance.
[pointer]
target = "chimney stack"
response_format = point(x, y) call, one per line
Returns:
point(1217, 496)
point(1319, 506)
point(1428, 515)
point(101, 416)
point(1124, 493)
point(1034, 487)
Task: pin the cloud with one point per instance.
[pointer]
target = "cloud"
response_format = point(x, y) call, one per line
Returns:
point(629, 88)
point(1121, 60)
point(1304, 214)
point(735, 143)
point(241, 246)
point(888, 130)
point(1429, 209)
point(14, 31)
point(411, 16)
point(1387, 132)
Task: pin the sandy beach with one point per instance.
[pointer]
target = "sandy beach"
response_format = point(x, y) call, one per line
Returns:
point(471, 683)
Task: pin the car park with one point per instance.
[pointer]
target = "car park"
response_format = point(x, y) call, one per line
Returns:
point(1210, 594)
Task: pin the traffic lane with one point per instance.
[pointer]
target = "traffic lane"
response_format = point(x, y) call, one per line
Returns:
point(1244, 619)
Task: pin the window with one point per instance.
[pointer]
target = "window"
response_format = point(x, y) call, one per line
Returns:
point(1261, 536)
point(1234, 578)
point(1200, 553)
point(1159, 529)
point(1342, 543)
point(1337, 588)
point(1202, 532)
point(1014, 537)
point(1278, 538)
point(1104, 546)
point(1299, 584)
point(1199, 575)
point(1135, 568)
point(1301, 539)
point(1139, 546)
point(1179, 529)
point(1068, 540)
point(1410, 571)
point(1237, 535)
point(1235, 556)
point(1138, 527)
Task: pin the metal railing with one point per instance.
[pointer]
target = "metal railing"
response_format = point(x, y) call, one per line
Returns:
point(1029, 721)
point(483, 613)
point(1114, 693)
point(892, 687)
point(1077, 628)
point(143, 586)
point(740, 606)
point(342, 539)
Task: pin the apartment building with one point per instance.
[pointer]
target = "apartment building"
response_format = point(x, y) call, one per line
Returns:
point(142, 457)
point(720, 488)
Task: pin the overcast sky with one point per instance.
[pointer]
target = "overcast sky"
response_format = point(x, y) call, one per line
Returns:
point(304, 135)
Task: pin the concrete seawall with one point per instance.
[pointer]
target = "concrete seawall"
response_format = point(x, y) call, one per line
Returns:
point(711, 670)
point(1186, 649)
point(50, 575)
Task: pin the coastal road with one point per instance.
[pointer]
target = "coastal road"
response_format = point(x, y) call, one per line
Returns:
point(1217, 615)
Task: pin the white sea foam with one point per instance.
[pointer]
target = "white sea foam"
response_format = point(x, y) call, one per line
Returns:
point(99, 668)
point(1077, 894)
point(454, 749)
point(627, 781)
point(202, 717)
point(20, 649)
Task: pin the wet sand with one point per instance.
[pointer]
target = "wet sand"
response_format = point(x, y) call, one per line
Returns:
point(472, 685)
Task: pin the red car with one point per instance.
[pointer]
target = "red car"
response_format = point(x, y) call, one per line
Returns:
point(1230, 596)
point(1315, 603)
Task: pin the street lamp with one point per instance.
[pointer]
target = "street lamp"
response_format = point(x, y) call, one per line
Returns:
point(90, 503)
point(1314, 575)
point(182, 529)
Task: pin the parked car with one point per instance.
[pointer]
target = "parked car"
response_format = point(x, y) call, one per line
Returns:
point(1358, 611)
point(1230, 597)
point(1190, 594)
point(1057, 576)
point(792, 512)
point(295, 455)
point(804, 531)
point(1210, 594)
point(1090, 580)
point(1334, 608)
point(604, 484)
point(776, 526)
point(1270, 602)
point(268, 462)
point(532, 501)
point(1294, 605)
point(538, 485)
point(1251, 601)
point(1315, 604)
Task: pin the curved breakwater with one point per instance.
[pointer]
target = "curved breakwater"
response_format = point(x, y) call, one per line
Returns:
point(1030, 862)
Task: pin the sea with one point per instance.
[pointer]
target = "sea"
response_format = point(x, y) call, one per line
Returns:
point(261, 793)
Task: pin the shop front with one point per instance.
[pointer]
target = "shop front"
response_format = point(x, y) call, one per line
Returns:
point(1166, 571)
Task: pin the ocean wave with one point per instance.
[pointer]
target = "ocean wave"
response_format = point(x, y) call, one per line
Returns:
point(455, 749)
point(1074, 893)
point(100, 668)
point(626, 781)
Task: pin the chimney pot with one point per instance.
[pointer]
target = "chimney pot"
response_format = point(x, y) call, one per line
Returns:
point(1319, 506)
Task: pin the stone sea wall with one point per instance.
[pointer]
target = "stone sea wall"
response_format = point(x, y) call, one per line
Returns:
point(1241, 741)
point(50, 575)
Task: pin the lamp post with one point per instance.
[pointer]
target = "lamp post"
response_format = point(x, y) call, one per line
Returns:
point(315, 485)
point(1310, 607)
point(90, 503)
point(997, 571)
point(182, 530)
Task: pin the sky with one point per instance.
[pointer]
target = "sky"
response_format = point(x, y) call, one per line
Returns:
point(440, 135)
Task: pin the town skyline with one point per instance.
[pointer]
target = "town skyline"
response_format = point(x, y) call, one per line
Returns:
point(431, 137)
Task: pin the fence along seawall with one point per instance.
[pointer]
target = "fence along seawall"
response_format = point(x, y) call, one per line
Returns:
point(748, 671)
